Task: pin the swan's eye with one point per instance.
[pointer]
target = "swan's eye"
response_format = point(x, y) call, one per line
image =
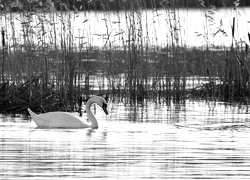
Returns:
point(104, 105)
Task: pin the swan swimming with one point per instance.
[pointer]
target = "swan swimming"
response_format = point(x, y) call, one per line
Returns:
point(68, 120)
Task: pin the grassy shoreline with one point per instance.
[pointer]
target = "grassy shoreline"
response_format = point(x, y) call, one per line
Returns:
point(43, 68)
point(60, 84)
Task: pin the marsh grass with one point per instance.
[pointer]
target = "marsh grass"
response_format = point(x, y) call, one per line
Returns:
point(48, 67)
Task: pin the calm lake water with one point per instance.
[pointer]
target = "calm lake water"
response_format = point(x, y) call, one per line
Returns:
point(191, 140)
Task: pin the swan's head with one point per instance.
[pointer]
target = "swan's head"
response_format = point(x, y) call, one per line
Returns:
point(100, 101)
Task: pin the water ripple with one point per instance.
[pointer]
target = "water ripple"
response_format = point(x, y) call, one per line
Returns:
point(192, 146)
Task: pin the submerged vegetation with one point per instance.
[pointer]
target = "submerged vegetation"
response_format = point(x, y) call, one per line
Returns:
point(45, 62)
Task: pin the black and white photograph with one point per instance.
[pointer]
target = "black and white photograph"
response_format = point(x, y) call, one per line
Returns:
point(124, 89)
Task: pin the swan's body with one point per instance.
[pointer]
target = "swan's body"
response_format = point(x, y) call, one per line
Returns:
point(68, 120)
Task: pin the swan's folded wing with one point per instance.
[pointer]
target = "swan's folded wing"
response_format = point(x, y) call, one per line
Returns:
point(60, 120)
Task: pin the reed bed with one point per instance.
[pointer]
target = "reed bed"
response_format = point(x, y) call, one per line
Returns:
point(47, 63)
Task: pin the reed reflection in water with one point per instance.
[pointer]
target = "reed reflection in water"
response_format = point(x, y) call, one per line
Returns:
point(192, 140)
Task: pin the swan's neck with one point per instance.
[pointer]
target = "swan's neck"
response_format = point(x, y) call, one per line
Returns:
point(90, 115)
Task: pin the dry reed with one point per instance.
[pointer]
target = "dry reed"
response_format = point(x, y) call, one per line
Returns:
point(58, 67)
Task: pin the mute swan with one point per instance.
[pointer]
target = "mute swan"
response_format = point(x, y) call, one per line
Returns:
point(68, 120)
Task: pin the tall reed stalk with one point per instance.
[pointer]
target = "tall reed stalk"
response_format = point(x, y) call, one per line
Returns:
point(55, 54)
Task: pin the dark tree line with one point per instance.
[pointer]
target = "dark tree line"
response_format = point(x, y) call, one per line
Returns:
point(134, 4)
point(32, 5)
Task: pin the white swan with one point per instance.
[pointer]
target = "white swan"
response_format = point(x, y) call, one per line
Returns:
point(68, 120)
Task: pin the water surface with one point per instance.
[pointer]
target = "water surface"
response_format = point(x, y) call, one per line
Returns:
point(191, 140)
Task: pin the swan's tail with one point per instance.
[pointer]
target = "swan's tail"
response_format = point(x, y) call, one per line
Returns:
point(32, 114)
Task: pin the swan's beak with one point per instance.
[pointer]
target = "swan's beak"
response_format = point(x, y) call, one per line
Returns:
point(104, 107)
